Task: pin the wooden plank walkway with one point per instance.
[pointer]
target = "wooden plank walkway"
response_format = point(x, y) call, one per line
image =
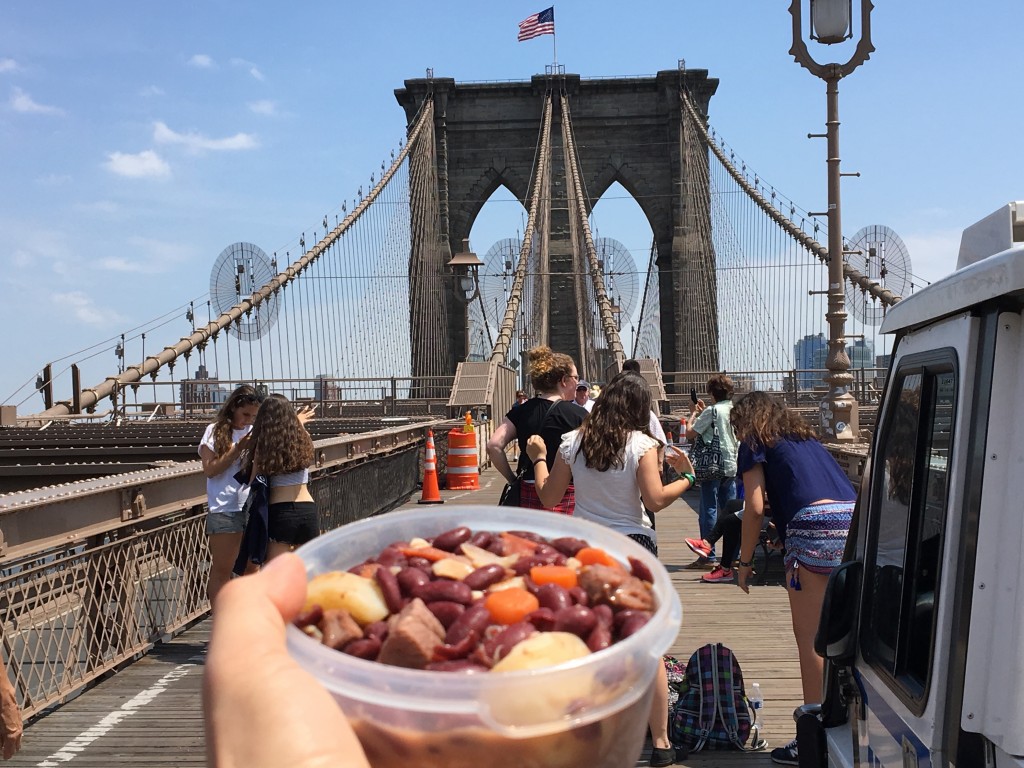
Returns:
point(150, 713)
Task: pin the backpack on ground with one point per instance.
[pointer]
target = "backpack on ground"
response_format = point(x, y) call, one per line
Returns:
point(712, 710)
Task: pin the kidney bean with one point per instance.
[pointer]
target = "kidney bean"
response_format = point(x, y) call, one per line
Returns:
point(553, 596)
point(579, 595)
point(378, 630)
point(459, 650)
point(419, 562)
point(485, 576)
point(446, 611)
point(568, 546)
point(536, 538)
point(546, 550)
point(465, 666)
point(600, 638)
point(577, 619)
point(364, 648)
point(497, 647)
point(481, 539)
point(451, 540)
point(621, 617)
point(496, 546)
point(410, 579)
point(604, 614)
point(524, 564)
point(473, 619)
point(444, 589)
point(388, 584)
point(312, 616)
point(390, 556)
point(543, 619)
point(640, 570)
point(633, 624)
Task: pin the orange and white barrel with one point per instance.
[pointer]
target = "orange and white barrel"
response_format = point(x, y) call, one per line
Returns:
point(463, 467)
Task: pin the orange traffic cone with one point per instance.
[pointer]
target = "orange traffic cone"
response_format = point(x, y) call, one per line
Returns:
point(431, 492)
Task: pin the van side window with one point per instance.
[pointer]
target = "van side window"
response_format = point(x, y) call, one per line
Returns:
point(906, 540)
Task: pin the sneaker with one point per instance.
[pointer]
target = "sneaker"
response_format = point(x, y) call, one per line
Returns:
point(661, 757)
point(718, 576)
point(786, 755)
point(698, 547)
point(701, 564)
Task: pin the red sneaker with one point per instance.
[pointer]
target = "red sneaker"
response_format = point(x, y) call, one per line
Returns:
point(698, 547)
point(718, 576)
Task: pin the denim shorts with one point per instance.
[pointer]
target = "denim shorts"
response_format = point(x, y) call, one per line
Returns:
point(292, 522)
point(225, 522)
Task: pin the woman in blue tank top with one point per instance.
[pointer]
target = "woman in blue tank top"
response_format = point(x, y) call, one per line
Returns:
point(811, 501)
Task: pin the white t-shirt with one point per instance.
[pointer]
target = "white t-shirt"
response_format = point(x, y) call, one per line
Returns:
point(611, 498)
point(223, 492)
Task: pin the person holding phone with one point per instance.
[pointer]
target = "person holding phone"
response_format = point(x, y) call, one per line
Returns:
point(221, 452)
point(714, 493)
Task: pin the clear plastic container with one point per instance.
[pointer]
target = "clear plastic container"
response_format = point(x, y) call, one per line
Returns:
point(589, 712)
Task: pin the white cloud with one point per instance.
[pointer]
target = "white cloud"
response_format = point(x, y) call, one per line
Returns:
point(253, 69)
point(196, 142)
point(201, 61)
point(85, 310)
point(147, 256)
point(263, 107)
point(22, 102)
point(8, 65)
point(145, 164)
point(151, 90)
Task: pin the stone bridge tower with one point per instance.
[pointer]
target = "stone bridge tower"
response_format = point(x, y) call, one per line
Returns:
point(628, 130)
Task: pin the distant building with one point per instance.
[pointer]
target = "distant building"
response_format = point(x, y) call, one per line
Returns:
point(809, 355)
point(862, 354)
point(202, 393)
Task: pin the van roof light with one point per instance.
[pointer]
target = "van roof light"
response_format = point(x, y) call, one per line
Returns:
point(997, 232)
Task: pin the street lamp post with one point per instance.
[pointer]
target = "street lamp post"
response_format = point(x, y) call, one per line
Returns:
point(465, 266)
point(830, 23)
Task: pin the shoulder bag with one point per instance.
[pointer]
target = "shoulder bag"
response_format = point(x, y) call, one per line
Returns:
point(706, 456)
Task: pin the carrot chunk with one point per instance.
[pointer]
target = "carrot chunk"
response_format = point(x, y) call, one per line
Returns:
point(562, 575)
point(507, 606)
point(595, 556)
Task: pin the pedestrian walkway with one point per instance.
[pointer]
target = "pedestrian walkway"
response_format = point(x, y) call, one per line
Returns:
point(150, 713)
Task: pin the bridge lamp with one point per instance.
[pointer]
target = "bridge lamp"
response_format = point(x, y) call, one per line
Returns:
point(465, 266)
point(831, 23)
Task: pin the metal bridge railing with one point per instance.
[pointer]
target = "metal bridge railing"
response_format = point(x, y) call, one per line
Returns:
point(96, 572)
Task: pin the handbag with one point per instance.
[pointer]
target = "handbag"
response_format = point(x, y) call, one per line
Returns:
point(510, 494)
point(706, 456)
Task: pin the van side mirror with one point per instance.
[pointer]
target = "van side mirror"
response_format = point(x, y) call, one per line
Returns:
point(836, 639)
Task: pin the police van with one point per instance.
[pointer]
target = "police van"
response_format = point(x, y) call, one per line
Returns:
point(922, 627)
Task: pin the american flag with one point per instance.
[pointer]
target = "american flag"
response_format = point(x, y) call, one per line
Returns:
point(538, 24)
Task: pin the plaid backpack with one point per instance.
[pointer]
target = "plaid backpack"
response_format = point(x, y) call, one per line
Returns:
point(713, 711)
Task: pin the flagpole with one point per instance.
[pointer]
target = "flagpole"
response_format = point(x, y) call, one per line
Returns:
point(554, 48)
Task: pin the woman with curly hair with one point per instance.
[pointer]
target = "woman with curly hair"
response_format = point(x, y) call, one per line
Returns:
point(221, 452)
point(811, 505)
point(614, 463)
point(281, 450)
point(550, 414)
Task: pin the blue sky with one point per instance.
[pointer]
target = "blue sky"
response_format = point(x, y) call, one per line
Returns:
point(138, 139)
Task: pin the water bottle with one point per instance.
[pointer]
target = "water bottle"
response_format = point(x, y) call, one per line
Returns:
point(756, 699)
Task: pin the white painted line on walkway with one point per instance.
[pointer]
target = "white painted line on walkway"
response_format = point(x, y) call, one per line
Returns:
point(71, 750)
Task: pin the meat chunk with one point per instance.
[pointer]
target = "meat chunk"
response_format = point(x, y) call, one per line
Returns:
point(339, 628)
point(412, 637)
point(616, 587)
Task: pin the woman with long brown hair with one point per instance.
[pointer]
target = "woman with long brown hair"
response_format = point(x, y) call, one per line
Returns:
point(811, 499)
point(221, 452)
point(281, 450)
point(550, 414)
point(615, 464)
